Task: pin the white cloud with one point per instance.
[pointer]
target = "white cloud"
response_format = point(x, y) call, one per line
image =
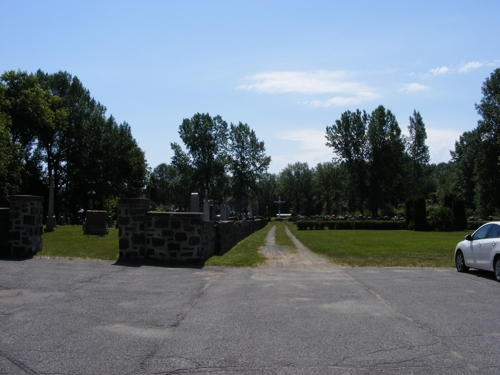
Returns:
point(309, 146)
point(359, 97)
point(439, 71)
point(440, 142)
point(470, 66)
point(414, 87)
point(312, 83)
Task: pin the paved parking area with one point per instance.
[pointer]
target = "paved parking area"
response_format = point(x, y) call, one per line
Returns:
point(97, 317)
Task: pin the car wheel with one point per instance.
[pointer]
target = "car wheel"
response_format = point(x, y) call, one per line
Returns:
point(496, 268)
point(460, 263)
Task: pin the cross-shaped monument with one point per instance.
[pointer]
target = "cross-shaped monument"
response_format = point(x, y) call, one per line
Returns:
point(279, 201)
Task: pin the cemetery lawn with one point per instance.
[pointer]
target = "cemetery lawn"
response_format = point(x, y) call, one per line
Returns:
point(69, 242)
point(245, 253)
point(382, 248)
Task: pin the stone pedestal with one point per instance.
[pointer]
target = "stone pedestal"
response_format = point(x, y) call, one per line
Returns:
point(131, 224)
point(25, 233)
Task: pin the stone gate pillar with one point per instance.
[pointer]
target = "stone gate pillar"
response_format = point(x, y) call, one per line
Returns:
point(26, 225)
point(132, 227)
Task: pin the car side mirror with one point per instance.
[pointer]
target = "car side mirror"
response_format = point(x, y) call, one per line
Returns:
point(468, 237)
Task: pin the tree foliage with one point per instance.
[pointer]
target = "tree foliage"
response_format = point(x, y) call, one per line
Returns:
point(248, 161)
point(347, 138)
point(205, 159)
point(63, 132)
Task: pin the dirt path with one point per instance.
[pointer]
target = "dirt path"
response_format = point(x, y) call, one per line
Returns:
point(281, 257)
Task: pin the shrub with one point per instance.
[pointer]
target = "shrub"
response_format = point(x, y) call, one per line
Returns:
point(319, 225)
point(459, 214)
point(344, 224)
point(409, 212)
point(419, 217)
point(473, 225)
point(443, 220)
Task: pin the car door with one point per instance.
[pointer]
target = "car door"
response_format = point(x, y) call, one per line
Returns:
point(476, 254)
point(489, 245)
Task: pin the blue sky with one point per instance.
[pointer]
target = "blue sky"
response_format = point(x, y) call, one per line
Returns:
point(286, 68)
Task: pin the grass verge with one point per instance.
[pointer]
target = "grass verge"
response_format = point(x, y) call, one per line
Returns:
point(282, 238)
point(245, 253)
point(382, 248)
point(69, 242)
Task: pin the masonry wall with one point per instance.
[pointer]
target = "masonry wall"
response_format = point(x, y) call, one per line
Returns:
point(182, 236)
point(174, 236)
point(132, 227)
point(229, 233)
point(25, 225)
point(4, 231)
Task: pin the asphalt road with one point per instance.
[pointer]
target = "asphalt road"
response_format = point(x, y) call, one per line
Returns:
point(96, 317)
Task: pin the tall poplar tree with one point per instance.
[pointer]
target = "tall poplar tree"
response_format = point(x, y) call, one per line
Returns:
point(386, 153)
point(418, 152)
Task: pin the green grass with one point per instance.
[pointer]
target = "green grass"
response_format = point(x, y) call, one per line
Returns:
point(380, 248)
point(69, 242)
point(282, 238)
point(357, 248)
point(245, 253)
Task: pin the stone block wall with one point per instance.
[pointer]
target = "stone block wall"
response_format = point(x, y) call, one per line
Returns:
point(4, 231)
point(182, 236)
point(174, 236)
point(25, 225)
point(229, 233)
point(132, 227)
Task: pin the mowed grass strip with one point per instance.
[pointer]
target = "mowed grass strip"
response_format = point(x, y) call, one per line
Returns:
point(245, 253)
point(282, 238)
point(382, 248)
point(69, 242)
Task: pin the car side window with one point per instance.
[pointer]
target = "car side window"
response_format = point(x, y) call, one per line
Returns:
point(481, 233)
point(494, 232)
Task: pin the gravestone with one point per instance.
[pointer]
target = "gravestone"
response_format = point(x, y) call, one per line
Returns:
point(224, 211)
point(195, 202)
point(95, 222)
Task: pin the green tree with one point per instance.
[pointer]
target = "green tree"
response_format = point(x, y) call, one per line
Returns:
point(64, 133)
point(295, 186)
point(268, 191)
point(386, 155)
point(248, 161)
point(10, 165)
point(417, 151)
point(488, 167)
point(347, 138)
point(464, 158)
point(36, 116)
point(327, 187)
point(205, 139)
point(419, 214)
point(459, 214)
point(164, 176)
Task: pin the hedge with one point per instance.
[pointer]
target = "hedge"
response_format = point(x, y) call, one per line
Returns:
point(366, 224)
point(350, 224)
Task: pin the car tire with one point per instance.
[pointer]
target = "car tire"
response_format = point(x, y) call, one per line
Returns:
point(496, 268)
point(460, 262)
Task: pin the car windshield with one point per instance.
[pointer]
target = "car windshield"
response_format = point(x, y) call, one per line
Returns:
point(481, 232)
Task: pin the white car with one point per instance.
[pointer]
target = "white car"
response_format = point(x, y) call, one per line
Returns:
point(480, 250)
